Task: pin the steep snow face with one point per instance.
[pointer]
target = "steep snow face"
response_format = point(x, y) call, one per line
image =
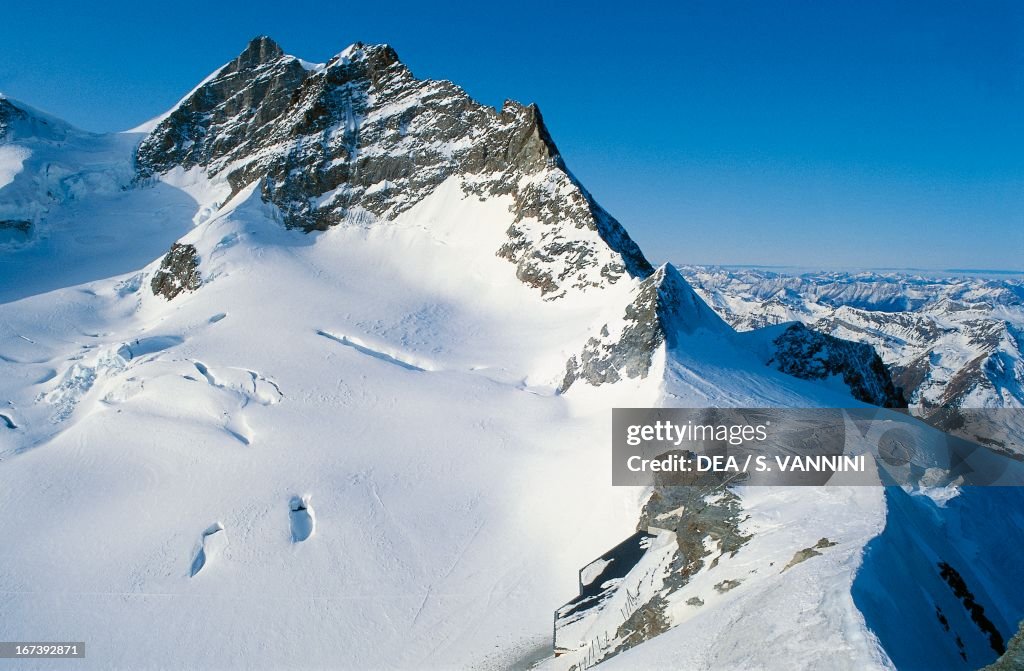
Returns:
point(360, 140)
point(957, 554)
point(18, 121)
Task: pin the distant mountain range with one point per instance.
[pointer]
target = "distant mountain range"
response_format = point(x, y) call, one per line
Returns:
point(954, 341)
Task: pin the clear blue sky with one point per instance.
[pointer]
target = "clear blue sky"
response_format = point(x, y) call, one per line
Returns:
point(821, 133)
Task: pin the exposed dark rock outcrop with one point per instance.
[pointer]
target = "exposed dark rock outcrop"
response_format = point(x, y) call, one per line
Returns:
point(811, 355)
point(1013, 659)
point(14, 230)
point(645, 623)
point(360, 139)
point(727, 585)
point(665, 307)
point(178, 272)
point(16, 225)
point(974, 609)
point(911, 376)
point(228, 118)
point(806, 553)
point(700, 511)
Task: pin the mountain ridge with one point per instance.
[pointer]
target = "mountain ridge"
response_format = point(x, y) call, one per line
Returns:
point(361, 138)
point(338, 414)
point(362, 109)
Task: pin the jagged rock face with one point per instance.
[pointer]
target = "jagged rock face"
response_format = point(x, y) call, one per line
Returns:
point(991, 365)
point(648, 621)
point(701, 520)
point(698, 511)
point(229, 118)
point(811, 355)
point(967, 360)
point(665, 307)
point(178, 272)
point(360, 139)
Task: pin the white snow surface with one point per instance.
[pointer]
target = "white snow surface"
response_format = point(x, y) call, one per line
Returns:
point(143, 423)
point(399, 378)
point(12, 158)
point(774, 619)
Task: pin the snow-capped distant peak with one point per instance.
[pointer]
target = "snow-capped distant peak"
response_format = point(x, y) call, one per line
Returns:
point(310, 67)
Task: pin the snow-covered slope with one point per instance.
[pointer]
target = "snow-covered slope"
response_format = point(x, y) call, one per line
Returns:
point(318, 372)
point(65, 217)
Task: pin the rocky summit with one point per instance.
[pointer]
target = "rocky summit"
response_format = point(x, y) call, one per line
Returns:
point(360, 139)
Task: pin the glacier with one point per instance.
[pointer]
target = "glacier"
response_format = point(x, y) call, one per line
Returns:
point(358, 439)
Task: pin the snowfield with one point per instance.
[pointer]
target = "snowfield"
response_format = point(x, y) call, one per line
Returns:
point(348, 449)
point(410, 408)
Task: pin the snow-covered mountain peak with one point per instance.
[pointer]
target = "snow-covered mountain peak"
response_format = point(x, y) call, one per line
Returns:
point(360, 141)
point(264, 357)
point(678, 306)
